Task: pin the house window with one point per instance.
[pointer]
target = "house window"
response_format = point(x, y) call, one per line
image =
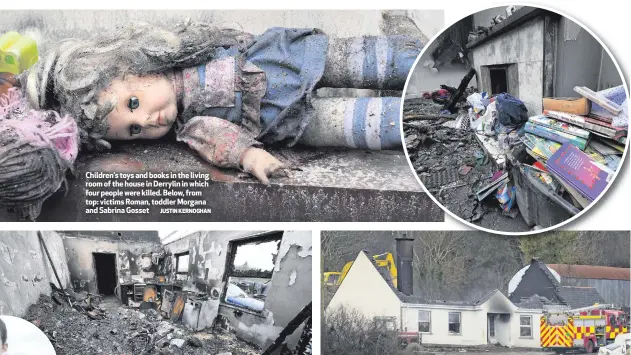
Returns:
point(454, 322)
point(492, 327)
point(525, 326)
point(181, 263)
point(251, 264)
point(424, 321)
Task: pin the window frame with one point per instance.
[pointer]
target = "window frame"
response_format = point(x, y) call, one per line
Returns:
point(429, 322)
point(177, 263)
point(231, 253)
point(523, 326)
point(492, 327)
point(449, 322)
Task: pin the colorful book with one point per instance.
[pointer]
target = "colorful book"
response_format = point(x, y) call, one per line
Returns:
point(554, 135)
point(560, 126)
point(542, 147)
point(587, 123)
point(579, 171)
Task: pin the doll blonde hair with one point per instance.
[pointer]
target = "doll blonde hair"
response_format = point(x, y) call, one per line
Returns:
point(70, 76)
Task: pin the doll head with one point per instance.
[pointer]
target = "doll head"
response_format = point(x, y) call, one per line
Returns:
point(115, 84)
point(145, 107)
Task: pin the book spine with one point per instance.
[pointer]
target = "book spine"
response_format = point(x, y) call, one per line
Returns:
point(555, 135)
point(585, 122)
point(575, 131)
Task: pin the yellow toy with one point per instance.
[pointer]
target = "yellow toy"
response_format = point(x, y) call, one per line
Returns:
point(17, 53)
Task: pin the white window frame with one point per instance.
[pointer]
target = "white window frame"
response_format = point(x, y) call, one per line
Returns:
point(492, 322)
point(525, 326)
point(459, 322)
point(429, 322)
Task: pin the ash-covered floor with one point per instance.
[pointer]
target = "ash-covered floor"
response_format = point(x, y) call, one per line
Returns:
point(116, 329)
point(452, 164)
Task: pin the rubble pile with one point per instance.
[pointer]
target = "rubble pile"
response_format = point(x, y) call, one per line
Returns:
point(75, 326)
point(449, 161)
point(488, 160)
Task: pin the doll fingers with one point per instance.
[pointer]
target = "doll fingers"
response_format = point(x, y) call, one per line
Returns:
point(274, 168)
point(261, 176)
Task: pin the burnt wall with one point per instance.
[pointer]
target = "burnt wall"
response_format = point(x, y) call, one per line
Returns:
point(26, 272)
point(290, 287)
point(116, 236)
point(79, 251)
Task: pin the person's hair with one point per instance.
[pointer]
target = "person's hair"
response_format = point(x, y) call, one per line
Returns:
point(3, 333)
point(70, 77)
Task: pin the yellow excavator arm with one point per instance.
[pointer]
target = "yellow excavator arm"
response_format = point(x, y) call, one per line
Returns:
point(385, 260)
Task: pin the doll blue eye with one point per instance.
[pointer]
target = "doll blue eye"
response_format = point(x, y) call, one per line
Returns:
point(133, 103)
point(135, 129)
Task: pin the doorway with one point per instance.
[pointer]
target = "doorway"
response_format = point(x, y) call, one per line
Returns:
point(499, 80)
point(105, 269)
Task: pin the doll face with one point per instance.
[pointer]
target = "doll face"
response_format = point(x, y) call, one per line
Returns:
point(146, 107)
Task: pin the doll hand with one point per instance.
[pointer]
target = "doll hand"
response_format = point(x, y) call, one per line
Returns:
point(260, 163)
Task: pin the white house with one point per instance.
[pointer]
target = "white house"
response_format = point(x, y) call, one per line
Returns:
point(490, 320)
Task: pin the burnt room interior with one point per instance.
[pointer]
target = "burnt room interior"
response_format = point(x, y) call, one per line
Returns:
point(184, 292)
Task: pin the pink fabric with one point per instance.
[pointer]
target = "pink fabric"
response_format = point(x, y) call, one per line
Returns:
point(39, 127)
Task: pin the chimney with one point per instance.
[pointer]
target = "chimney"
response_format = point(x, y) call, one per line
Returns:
point(405, 252)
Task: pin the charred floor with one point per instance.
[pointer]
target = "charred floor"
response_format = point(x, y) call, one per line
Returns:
point(451, 162)
point(84, 323)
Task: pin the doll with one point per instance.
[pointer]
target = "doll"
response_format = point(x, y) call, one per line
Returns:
point(226, 92)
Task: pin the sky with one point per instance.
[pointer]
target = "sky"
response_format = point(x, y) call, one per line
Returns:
point(258, 256)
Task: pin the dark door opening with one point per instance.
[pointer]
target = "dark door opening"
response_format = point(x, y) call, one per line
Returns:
point(499, 80)
point(105, 268)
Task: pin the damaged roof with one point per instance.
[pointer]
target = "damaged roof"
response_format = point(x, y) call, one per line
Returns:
point(534, 302)
point(592, 272)
point(420, 300)
point(546, 271)
point(571, 296)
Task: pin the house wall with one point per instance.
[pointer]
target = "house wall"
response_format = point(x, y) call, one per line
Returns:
point(79, 249)
point(365, 291)
point(613, 291)
point(522, 46)
point(473, 321)
point(26, 272)
point(526, 342)
point(578, 60)
point(290, 289)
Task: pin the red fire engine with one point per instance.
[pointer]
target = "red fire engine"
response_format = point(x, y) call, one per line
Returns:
point(587, 328)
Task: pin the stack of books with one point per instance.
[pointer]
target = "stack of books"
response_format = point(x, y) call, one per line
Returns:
point(579, 150)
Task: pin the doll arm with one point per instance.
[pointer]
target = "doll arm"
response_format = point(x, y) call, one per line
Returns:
point(226, 145)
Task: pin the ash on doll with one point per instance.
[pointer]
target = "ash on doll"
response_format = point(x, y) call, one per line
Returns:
point(226, 92)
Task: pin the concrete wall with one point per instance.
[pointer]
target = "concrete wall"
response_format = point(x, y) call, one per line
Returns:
point(472, 321)
point(581, 61)
point(25, 271)
point(522, 46)
point(79, 251)
point(366, 291)
point(290, 289)
point(57, 24)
